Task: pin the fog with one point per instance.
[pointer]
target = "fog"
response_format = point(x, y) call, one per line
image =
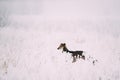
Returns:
point(62, 7)
point(31, 31)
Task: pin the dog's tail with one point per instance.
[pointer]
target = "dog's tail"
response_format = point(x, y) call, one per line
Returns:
point(84, 52)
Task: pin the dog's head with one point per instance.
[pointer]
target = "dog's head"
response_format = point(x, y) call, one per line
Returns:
point(62, 45)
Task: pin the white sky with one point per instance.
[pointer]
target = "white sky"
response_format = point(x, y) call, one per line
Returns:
point(63, 7)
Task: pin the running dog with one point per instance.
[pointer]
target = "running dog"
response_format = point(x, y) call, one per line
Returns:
point(75, 54)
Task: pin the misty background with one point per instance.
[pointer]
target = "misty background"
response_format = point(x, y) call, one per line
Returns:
point(61, 7)
point(86, 11)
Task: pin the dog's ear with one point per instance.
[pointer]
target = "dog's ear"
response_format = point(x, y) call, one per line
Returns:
point(64, 43)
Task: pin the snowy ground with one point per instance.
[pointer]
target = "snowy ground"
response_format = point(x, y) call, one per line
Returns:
point(28, 48)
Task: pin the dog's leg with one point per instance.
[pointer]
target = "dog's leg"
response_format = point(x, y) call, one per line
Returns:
point(79, 56)
point(83, 57)
point(74, 59)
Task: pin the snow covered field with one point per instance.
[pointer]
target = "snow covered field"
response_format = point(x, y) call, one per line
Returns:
point(28, 48)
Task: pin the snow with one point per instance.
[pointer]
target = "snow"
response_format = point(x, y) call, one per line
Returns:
point(28, 48)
